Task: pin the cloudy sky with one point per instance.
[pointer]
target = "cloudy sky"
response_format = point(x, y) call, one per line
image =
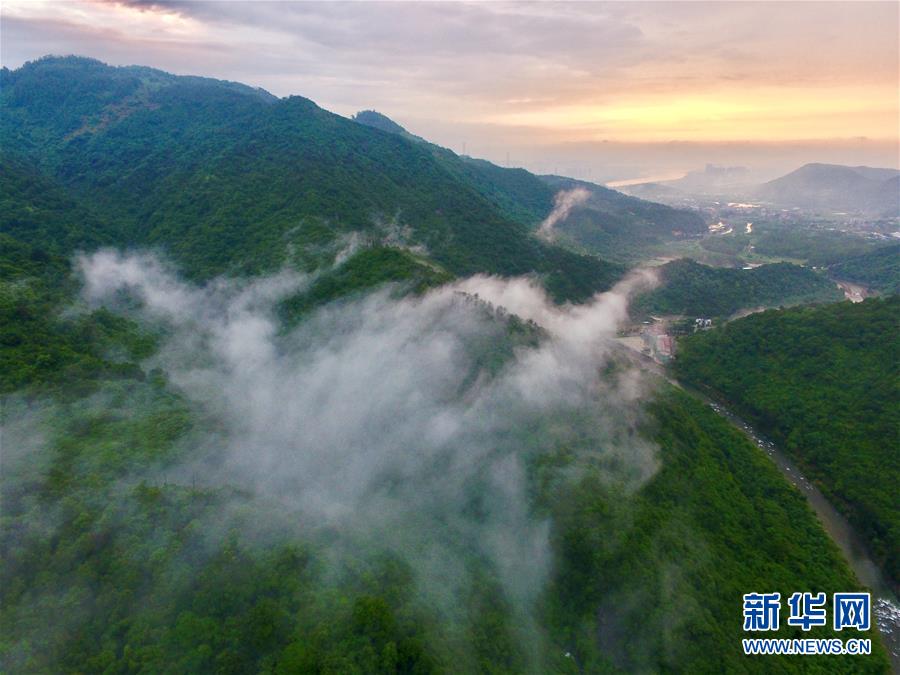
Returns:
point(580, 87)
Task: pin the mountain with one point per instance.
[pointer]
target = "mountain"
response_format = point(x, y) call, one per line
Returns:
point(696, 290)
point(37, 210)
point(887, 195)
point(822, 382)
point(301, 449)
point(832, 186)
point(619, 227)
point(608, 214)
point(374, 119)
point(727, 183)
point(227, 178)
point(608, 223)
point(714, 179)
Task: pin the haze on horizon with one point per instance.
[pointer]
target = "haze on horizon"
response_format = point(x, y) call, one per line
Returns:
point(596, 90)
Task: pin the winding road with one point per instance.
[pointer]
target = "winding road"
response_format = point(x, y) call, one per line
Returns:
point(886, 608)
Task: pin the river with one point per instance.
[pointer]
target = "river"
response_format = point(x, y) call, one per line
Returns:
point(854, 292)
point(885, 607)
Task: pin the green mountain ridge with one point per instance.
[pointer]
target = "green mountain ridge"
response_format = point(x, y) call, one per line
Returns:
point(823, 383)
point(110, 570)
point(609, 224)
point(227, 180)
point(123, 554)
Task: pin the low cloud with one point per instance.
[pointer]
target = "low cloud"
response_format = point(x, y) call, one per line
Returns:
point(403, 425)
point(563, 203)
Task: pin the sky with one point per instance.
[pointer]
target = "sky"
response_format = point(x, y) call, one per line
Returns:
point(596, 90)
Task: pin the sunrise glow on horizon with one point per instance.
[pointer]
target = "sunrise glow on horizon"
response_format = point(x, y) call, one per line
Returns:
point(519, 75)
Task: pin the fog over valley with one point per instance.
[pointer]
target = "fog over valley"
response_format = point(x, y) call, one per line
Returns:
point(406, 339)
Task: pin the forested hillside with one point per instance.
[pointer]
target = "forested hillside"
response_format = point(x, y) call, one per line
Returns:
point(691, 288)
point(226, 178)
point(823, 383)
point(110, 566)
point(260, 414)
point(617, 226)
point(607, 223)
point(819, 247)
point(878, 270)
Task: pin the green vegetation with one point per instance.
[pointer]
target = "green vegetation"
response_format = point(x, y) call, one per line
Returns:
point(691, 288)
point(367, 269)
point(716, 520)
point(812, 244)
point(729, 244)
point(121, 551)
point(106, 571)
point(523, 196)
point(46, 345)
point(879, 270)
point(372, 118)
point(823, 383)
point(227, 179)
point(518, 194)
point(145, 589)
point(621, 228)
point(818, 247)
point(39, 213)
point(609, 224)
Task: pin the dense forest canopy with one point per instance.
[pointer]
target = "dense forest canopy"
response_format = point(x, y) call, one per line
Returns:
point(823, 382)
point(227, 179)
point(124, 551)
point(691, 288)
point(608, 223)
point(272, 401)
point(815, 246)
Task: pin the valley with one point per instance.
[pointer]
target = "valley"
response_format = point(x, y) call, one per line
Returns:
point(285, 391)
point(887, 607)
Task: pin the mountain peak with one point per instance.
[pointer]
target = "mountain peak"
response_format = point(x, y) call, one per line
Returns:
point(374, 119)
point(836, 187)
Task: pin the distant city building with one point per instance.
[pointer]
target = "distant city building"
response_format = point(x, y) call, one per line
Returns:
point(661, 346)
point(665, 347)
